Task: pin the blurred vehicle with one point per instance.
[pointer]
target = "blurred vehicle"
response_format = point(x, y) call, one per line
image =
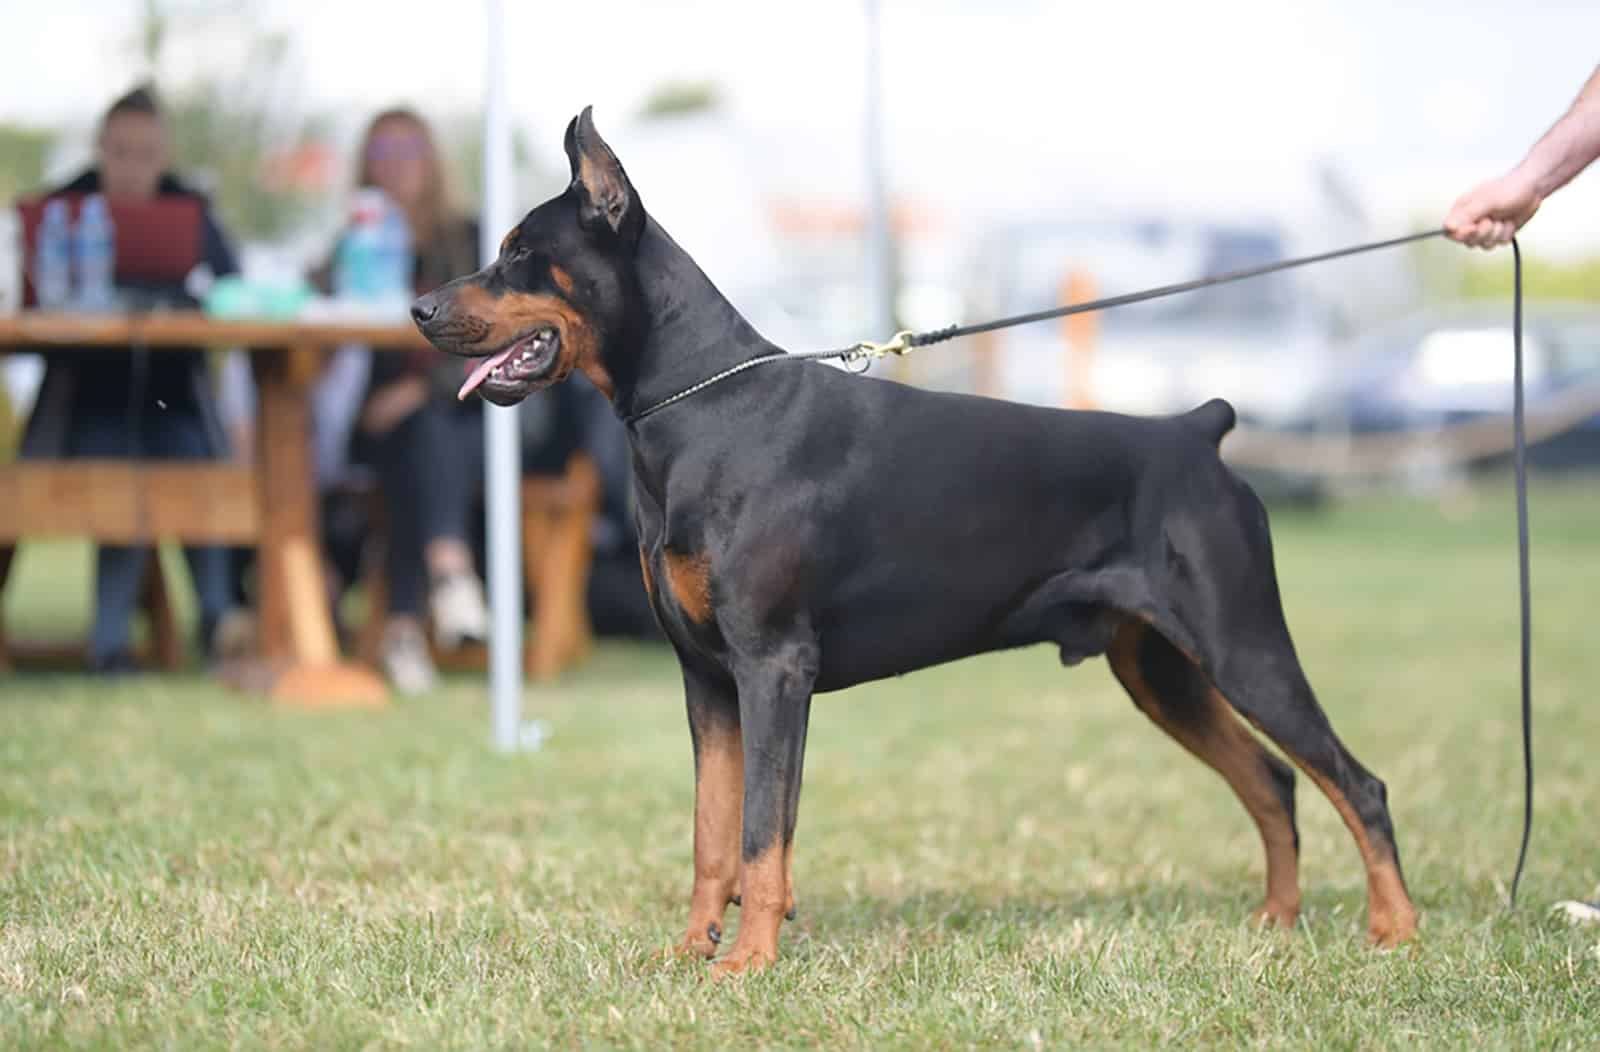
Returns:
point(1444, 366)
point(1263, 344)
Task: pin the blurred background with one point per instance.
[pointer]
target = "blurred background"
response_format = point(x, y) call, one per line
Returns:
point(1025, 144)
point(1029, 153)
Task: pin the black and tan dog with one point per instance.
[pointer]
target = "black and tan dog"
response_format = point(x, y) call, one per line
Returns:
point(803, 530)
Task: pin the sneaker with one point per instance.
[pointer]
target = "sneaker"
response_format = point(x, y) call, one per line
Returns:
point(405, 659)
point(1579, 912)
point(233, 636)
point(460, 613)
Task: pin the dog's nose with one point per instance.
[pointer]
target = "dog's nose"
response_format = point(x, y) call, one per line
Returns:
point(424, 309)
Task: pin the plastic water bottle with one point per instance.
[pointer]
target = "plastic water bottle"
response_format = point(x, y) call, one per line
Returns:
point(95, 254)
point(11, 261)
point(357, 270)
point(395, 237)
point(52, 264)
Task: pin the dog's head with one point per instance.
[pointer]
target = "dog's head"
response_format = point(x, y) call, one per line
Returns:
point(562, 287)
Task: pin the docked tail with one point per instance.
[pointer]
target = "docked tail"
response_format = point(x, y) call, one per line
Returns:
point(1214, 419)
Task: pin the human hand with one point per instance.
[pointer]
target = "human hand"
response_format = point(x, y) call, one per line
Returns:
point(392, 403)
point(1490, 214)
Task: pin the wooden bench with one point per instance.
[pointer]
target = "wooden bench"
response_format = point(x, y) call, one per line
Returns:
point(122, 502)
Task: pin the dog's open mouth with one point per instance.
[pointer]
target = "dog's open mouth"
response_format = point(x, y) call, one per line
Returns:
point(506, 376)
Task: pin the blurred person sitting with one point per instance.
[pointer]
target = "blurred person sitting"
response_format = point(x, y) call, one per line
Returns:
point(425, 446)
point(117, 404)
point(1491, 213)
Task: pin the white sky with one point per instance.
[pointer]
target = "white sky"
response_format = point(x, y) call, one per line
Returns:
point(1008, 104)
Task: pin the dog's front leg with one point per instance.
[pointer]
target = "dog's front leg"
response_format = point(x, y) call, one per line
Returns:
point(774, 708)
point(718, 805)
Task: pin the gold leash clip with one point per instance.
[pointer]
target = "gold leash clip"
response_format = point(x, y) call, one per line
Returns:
point(865, 352)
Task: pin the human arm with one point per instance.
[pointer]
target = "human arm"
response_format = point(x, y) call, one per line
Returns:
point(1492, 212)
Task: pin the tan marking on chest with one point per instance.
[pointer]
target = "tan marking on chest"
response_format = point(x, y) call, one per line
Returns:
point(689, 581)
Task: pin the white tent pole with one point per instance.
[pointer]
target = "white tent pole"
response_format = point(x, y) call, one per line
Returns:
point(879, 262)
point(502, 466)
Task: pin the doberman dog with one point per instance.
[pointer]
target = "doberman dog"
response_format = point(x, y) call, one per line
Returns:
point(803, 529)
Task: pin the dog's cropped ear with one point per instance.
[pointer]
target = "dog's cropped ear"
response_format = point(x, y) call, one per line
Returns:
point(606, 200)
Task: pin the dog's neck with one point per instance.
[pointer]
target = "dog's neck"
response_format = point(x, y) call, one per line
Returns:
point(690, 331)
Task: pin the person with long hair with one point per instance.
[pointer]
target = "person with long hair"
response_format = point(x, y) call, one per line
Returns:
point(426, 447)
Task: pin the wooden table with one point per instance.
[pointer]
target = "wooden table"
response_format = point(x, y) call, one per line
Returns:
point(270, 504)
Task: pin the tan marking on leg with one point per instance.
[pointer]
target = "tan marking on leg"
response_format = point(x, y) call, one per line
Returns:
point(649, 578)
point(760, 914)
point(1219, 740)
point(1391, 915)
point(788, 881)
point(689, 581)
point(718, 824)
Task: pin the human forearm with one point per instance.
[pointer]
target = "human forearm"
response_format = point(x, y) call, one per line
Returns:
point(1567, 148)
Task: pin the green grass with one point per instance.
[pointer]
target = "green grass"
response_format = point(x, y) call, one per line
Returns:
point(1000, 852)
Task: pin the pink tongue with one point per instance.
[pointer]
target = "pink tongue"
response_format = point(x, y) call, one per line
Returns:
point(480, 372)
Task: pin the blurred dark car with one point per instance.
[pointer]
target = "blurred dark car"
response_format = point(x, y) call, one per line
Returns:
point(1441, 367)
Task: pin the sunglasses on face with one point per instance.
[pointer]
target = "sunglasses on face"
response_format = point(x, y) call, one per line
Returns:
point(397, 148)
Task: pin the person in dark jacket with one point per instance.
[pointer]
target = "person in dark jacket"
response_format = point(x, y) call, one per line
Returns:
point(138, 403)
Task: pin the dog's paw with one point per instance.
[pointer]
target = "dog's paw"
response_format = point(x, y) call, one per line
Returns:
point(1389, 930)
point(741, 960)
point(694, 947)
point(1275, 915)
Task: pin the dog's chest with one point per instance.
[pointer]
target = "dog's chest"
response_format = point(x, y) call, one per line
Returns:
point(679, 583)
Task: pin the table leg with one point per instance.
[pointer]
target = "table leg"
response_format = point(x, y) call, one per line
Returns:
point(165, 639)
point(297, 635)
point(6, 552)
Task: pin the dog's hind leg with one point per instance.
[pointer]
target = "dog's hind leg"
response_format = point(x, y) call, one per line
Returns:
point(1176, 696)
point(1221, 571)
point(1279, 702)
point(718, 806)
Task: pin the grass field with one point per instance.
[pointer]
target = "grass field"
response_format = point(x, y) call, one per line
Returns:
point(999, 852)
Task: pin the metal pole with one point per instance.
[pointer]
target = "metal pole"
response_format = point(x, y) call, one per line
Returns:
point(879, 252)
point(502, 464)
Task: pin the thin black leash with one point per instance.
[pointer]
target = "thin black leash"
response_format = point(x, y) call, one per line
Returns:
point(1519, 457)
point(953, 331)
point(861, 356)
